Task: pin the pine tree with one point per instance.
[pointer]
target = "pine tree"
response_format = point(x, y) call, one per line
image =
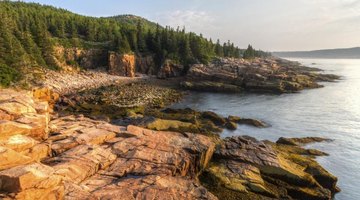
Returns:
point(219, 51)
point(141, 44)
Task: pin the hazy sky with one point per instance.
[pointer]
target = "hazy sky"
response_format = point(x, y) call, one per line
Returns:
point(266, 24)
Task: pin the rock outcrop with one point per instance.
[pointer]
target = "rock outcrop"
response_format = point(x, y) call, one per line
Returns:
point(170, 69)
point(75, 157)
point(70, 59)
point(146, 65)
point(245, 168)
point(23, 128)
point(122, 64)
point(273, 75)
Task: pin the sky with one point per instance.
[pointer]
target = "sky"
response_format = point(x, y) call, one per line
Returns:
point(272, 25)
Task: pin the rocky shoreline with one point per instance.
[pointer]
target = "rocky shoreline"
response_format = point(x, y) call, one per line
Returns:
point(105, 140)
point(271, 75)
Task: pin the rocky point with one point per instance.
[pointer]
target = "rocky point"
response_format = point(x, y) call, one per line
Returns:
point(47, 155)
point(274, 75)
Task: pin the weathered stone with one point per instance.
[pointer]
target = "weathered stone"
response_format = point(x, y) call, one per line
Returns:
point(246, 168)
point(18, 142)
point(16, 108)
point(11, 128)
point(47, 97)
point(72, 131)
point(148, 187)
point(81, 162)
point(122, 65)
point(10, 158)
point(25, 177)
point(157, 151)
point(5, 116)
point(272, 75)
point(170, 69)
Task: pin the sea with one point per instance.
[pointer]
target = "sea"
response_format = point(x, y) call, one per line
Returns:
point(331, 112)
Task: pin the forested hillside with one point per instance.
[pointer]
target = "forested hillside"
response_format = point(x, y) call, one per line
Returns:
point(29, 32)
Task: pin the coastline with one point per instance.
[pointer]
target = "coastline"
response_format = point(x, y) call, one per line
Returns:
point(263, 169)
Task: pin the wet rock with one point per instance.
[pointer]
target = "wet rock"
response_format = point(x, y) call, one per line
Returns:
point(214, 117)
point(252, 122)
point(231, 125)
point(250, 168)
point(301, 141)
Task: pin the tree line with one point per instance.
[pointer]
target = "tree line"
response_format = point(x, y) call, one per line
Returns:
point(29, 32)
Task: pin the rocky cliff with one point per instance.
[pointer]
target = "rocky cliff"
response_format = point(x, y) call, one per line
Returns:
point(122, 64)
point(70, 59)
point(47, 156)
point(74, 157)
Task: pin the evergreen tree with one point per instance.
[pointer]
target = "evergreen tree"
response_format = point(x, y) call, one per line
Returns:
point(141, 44)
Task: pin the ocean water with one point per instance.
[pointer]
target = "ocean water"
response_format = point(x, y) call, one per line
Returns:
point(332, 112)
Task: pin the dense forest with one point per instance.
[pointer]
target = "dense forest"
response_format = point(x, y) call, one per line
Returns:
point(29, 32)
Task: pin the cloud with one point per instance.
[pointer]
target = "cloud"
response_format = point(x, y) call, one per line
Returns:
point(191, 19)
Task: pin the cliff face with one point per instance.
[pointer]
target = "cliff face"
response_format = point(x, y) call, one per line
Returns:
point(122, 64)
point(170, 69)
point(70, 59)
point(146, 65)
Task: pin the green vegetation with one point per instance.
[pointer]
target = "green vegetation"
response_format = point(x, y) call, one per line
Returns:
point(251, 53)
point(8, 75)
point(29, 32)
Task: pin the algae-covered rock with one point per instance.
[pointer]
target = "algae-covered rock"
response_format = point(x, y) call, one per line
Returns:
point(301, 141)
point(174, 125)
point(244, 168)
point(218, 120)
point(209, 86)
point(231, 125)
